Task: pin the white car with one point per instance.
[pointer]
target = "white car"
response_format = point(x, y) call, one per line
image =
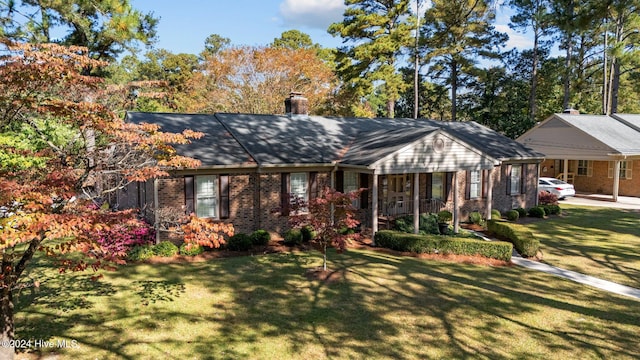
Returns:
point(558, 187)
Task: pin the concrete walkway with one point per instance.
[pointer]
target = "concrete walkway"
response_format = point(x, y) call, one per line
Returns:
point(577, 277)
point(571, 275)
point(624, 202)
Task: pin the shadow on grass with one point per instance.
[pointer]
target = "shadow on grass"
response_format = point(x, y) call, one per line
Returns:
point(593, 234)
point(383, 306)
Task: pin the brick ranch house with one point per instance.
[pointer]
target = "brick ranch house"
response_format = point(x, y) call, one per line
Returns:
point(252, 164)
point(597, 153)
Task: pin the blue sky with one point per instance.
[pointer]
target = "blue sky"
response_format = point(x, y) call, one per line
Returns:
point(185, 24)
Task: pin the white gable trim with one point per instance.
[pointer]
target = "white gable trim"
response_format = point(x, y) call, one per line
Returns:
point(435, 152)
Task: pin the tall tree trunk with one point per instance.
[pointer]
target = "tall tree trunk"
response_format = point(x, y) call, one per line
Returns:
point(534, 77)
point(454, 89)
point(615, 87)
point(605, 81)
point(567, 73)
point(7, 350)
point(391, 107)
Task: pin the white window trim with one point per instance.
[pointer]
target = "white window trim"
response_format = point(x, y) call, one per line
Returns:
point(475, 187)
point(626, 169)
point(303, 194)
point(516, 181)
point(589, 168)
point(199, 198)
point(351, 181)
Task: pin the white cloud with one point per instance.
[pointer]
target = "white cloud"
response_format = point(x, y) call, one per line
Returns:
point(317, 14)
point(516, 40)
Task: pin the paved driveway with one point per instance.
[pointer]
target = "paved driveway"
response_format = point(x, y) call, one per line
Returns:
point(624, 202)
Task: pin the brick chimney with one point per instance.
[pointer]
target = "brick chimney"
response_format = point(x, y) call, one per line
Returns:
point(571, 111)
point(296, 104)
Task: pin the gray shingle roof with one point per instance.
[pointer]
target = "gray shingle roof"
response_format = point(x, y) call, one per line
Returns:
point(217, 147)
point(300, 139)
point(609, 130)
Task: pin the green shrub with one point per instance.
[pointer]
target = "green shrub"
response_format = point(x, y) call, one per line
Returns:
point(476, 217)
point(192, 250)
point(165, 249)
point(444, 216)
point(260, 237)
point(293, 237)
point(140, 253)
point(443, 244)
point(513, 215)
point(522, 212)
point(428, 224)
point(536, 211)
point(551, 209)
point(523, 240)
point(239, 242)
point(495, 214)
point(308, 233)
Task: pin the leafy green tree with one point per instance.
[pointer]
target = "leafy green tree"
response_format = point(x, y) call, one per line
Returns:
point(215, 43)
point(106, 27)
point(533, 15)
point(456, 34)
point(379, 31)
point(294, 39)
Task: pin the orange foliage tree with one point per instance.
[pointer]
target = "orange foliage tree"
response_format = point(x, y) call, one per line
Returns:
point(50, 177)
point(256, 80)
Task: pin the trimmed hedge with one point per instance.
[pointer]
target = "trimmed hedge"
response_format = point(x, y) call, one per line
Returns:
point(513, 215)
point(523, 240)
point(443, 244)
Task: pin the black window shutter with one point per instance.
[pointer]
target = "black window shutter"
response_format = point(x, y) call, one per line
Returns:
point(507, 169)
point(448, 186)
point(189, 201)
point(313, 185)
point(364, 195)
point(467, 186)
point(224, 196)
point(523, 179)
point(485, 183)
point(429, 185)
point(284, 193)
point(340, 180)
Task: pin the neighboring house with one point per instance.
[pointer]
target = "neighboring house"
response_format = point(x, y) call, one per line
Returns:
point(253, 164)
point(597, 153)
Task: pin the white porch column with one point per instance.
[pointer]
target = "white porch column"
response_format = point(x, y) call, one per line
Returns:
point(489, 198)
point(616, 179)
point(456, 212)
point(565, 176)
point(374, 208)
point(416, 203)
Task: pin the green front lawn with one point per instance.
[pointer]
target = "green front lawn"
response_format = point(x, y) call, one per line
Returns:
point(378, 306)
point(600, 242)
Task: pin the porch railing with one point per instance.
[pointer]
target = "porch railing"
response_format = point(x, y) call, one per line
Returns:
point(398, 208)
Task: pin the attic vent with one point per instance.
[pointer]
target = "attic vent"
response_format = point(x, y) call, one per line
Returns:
point(555, 123)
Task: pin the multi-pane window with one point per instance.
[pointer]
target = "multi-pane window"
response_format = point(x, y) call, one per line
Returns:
point(299, 187)
point(437, 185)
point(585, 168)
point(516, 179)
point(351, 184)
point(475, 185)
point(626, 168)
point(206, 196)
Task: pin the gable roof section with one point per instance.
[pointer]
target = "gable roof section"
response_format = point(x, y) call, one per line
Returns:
point(217, 148)
point(585, 136)
point(278, 140)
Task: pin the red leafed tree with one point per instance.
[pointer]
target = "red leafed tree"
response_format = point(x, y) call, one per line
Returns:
point(332, 218)
point(57, 140)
